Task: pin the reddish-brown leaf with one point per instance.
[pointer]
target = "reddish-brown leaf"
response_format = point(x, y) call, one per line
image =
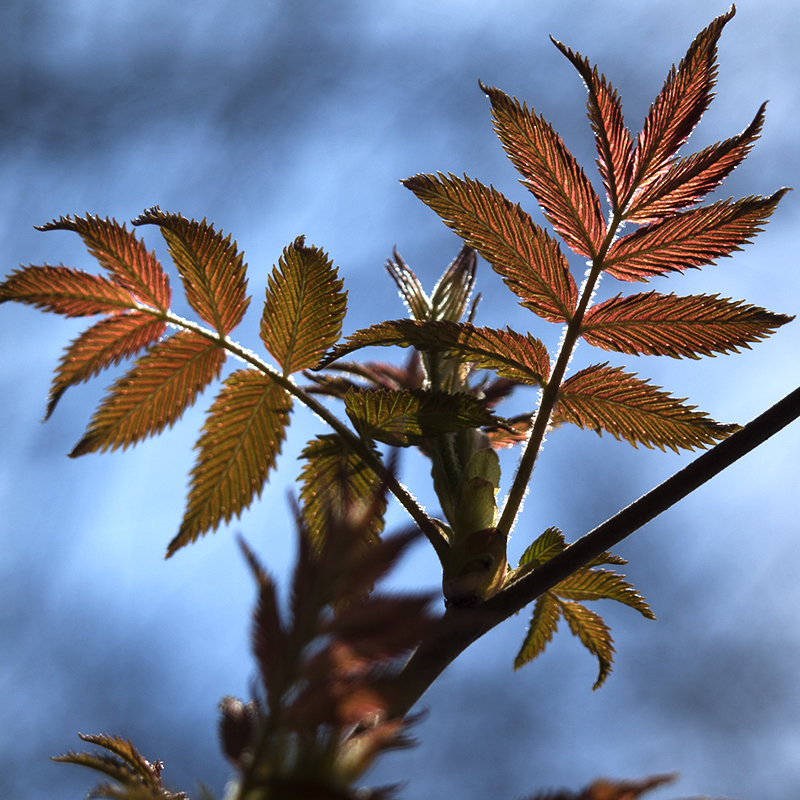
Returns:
point(689, 238)
point(106, 343)
point(241, 440)
point(529, 261)
point(551, 172)
point(211, 267)
point(123, 255)
point(612, 138)
point(687, 181)
point(66, 291)
point(154, 394)
point(304, 308)
point(680, 104)
point(670, 325)
point(603, 398)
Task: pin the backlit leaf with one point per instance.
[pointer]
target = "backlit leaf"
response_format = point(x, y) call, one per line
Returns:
point(332, 473)
point(304, 307)
point(241, 439)
point(212, 269)
point(450, 296)
point(679, 106)
point(546, 545)
point(66, 291)
point(601, 584)
point(529, 261)
point(543, 625)
point(512, 355)
point(690, 179)
point(593, 633)
point(551, 172)
point(689, 238)
point(124, 256)
point(670, 325)
point(407, 418)
point(408, 285)
point(603, 398)
point(612, 138)
point(106, 343)
point(154, 394)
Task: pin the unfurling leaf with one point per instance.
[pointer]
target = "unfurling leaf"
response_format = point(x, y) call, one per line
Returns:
point(602, 584)
point(334, 474)
point(407, 418)
point(122, 255)
point(594, 634)
point(241, 440)
point(304, 307)
point(212, 269)
point(689, 238)
point(612, 138)
point(670, 325)
point(551, 172)
point(542, 628)
point(154, 393)
point(512, 355)
point(529, 261)
point(66, 291)
point(106, 343)
point(604, 398)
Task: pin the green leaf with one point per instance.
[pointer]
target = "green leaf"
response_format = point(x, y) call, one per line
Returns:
point(543, 625)
point(529, 261)
point(106, 343)
point(334, 475)
point(670, 325)
point(513, 355)
point(304, 307)
point(601, 584)
point(603, 398)
point(241, 440)
point(154, 393)
point(593, 633)
point(546, 545)
point(408, 418)
point(125, 257)
point(551, 172)
point(211, 267)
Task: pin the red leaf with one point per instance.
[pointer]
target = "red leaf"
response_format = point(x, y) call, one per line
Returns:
point(124, 256)
point(66, 291)
point(691, 178)
point(212, 269)
point(680, 104)
point(106, 343)
point(529, 261)
point(669, 325)
point(689, 238)
point(154, 394)
point(551, 173)
point(612, 138)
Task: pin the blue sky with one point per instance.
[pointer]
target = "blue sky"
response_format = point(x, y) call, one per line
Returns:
point(279, 118)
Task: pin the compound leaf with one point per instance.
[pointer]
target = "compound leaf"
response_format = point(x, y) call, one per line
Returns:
point(154, 393)
point(550, 172)
point(612, 138)
point(512, 355)
point(529, 261)
point(593, 633)
point(124, 256)
point(304, 307)
point(333, 474)
point(106, 343)
point(64, 290)
point(542, 628)
point(689, 238)
point(241, 440)
point(671, 325)
point(212, 269)
point(403, 418)
point(604, 398)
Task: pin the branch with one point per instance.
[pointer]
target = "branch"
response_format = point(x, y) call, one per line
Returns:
point(460, 627)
